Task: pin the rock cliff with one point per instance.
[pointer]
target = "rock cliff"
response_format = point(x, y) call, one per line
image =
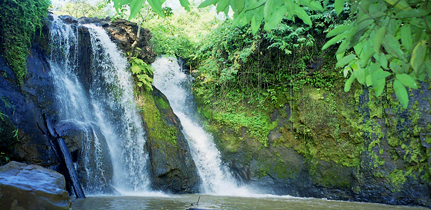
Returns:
point(25, 109)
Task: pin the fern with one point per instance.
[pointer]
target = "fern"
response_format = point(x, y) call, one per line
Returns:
point(142, 72)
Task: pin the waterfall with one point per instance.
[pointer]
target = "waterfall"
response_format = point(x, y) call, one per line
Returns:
point(216, 178)
point(106, 105)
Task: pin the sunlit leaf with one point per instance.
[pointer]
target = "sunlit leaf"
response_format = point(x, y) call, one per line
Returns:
point(276, 18)
point(221, 5)
point(135, 7)
point(407, 80)
point(401, 93)
point(316, 6)
point(338, 30)
point(339, 6)
point(156, 5)
point(207, 3)
point(185, 4)
point(255, 25)
point(300, 12)
point(238, 5)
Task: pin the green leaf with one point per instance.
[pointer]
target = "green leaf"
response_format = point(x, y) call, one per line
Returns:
point(276, 18)
point(407, 80)
point(156, 5)
point(383, 60)
point(238, 5)
point(418, 55)
point(367, 52)
point(339, 6)
point(338, 30)
point(378, 39)
point(396, 68)
point(316, 6)
point(413, 13)
point(359, 72)
point(135, 69)
point(392, 46)
point(349, 82)
point(401, 93)
point(300, 12)
point(358, 48)
point(379, 86)
point(135, 7)
point(221, 5)
point(255, 25)
point(380, 74)
point(400, 4)
point(428, 67)
point(207, 3)
point(344, 61)
point(185, 4)
point(334, 40)
point(268, 9)
point(406, 37)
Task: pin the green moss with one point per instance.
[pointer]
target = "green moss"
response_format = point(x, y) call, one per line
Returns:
point(19, 21)
point(397, 178)
point(157, 127)
point(161, 103)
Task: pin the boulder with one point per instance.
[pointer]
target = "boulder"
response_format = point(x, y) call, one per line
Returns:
point(29, 187)
point(171, 165)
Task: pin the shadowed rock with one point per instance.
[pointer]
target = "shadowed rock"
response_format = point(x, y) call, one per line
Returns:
point(30, 187)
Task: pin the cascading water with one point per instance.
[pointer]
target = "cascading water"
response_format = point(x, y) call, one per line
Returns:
point(216, 178)
point(108, 105)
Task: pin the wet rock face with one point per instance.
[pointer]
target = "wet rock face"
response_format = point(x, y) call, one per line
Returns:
point(171, 165)
point(23, 133)
point(94, 170)
point(342, 148)
point(25, 186)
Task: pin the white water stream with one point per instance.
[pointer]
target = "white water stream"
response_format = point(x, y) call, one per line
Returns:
point(175, 84)
point(108, 105)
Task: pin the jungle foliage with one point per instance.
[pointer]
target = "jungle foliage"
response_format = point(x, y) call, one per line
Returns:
point(387, 41)
point(19, 20)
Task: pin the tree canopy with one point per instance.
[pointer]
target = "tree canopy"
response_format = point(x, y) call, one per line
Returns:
point(387, 42)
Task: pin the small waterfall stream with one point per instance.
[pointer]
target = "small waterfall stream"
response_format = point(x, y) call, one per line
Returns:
point(176, 85)
point(107, 106)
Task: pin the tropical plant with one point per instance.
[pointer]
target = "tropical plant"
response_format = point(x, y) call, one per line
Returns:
point(388, 41)
point(142, 72)
point(19, 21)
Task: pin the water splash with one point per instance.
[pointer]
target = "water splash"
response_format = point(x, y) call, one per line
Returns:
point(216, 177)
point(107, 104)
